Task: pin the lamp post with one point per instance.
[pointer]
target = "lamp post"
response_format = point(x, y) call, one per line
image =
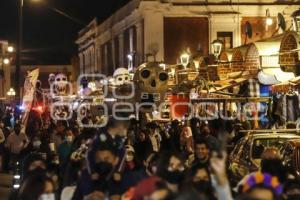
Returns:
point(185, 59)
point(296, 20)
point(217, 47)
point(11, 93)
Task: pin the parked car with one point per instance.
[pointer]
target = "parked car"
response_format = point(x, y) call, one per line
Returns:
point(291, 156)
point(246, 155)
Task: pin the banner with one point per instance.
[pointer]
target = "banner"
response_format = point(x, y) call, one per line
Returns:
point(28, 94)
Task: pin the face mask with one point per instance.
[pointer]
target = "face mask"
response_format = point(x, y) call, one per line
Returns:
point(103, 168)
point(203, 186)
point(174, 177)
point(69, 139)
point(36, 144)
point(129, 158)
point(50, 196)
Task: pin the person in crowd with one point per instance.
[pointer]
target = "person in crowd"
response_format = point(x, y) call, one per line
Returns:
point(154, 137)
point(142, 145)
point(262, 186)
point(37, 187)
point(174, 132)
point(199, 178)
point(202, 152)
point(171, 169)
point(57, 134)
point(206, 134)
point(64, 149)
point(2, 141)
point(187, 141)
point(101, 177)
point(16, 142)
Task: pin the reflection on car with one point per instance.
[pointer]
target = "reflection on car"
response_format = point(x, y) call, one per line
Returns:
point(246, 155)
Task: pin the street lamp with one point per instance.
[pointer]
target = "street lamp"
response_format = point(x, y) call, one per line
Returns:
point(269, 20)
point(296, 20)
point(10, 49)
point(6, 61)
point(185, 59)
point(11, 92)
point(217, 47)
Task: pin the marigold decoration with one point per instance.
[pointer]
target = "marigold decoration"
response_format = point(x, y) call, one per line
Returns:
point(264, 179)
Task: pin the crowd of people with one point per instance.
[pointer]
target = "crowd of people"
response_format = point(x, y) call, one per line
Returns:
point(126, 160)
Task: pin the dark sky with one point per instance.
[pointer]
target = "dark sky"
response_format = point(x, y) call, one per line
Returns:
point(49, 37)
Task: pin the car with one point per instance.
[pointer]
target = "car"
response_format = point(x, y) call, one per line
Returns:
point(246, 155)
point(291, 157)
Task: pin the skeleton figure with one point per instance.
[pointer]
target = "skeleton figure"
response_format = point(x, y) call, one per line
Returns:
point(151, 83)
point(51, 79)
point(60, 84)
point(121, 76)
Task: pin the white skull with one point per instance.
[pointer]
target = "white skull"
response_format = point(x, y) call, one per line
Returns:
point(121, 76)
point(60, 83)
point(151, 83)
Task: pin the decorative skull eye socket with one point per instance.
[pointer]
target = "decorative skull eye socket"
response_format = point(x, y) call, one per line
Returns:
point(58, 79)
point(163, 76)
point(64, 79)
point(145, 73)
point(120, 79)
point(126, 78)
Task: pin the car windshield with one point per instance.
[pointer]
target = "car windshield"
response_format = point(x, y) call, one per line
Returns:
point(259, 145)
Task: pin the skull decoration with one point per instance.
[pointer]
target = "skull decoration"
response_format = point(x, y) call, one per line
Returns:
point(51, 79)
point(121, 76)
point(61, 84)
point(151, 83)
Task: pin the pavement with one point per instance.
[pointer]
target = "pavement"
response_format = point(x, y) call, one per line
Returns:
point(5, 185)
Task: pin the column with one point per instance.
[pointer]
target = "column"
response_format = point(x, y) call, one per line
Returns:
point(121, 49)
point(105, 60)
point(81, 63)
point(131, 39)
point(139, 43)
point(113, 49)
point(154, 34)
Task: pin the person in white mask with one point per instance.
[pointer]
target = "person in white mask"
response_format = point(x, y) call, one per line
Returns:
point(37, 187)
point(64, 149)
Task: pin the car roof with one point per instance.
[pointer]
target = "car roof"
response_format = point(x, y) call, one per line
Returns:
point(274, 135)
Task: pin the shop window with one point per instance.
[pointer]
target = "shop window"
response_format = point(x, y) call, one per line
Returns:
point(227, 38)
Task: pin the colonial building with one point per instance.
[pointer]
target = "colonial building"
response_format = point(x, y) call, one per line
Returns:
point(5, 75)
point(161, 30)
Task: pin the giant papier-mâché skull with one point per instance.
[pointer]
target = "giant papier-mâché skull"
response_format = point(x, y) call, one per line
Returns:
point(151, 83)
point(121, 76)
point(61, 84)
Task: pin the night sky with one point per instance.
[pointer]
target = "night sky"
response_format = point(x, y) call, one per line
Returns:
point(48, 38)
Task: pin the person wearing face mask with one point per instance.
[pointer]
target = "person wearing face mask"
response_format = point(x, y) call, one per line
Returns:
point(64, 149)
point(37, 187)
point(198, 178)
point(102, 176)
point(132, 173)
point(170, 168)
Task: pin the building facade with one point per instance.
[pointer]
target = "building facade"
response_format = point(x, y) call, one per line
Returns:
point(146, 30)
point(5, 75)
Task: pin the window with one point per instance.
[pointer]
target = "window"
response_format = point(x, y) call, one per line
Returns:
point(227, 38)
